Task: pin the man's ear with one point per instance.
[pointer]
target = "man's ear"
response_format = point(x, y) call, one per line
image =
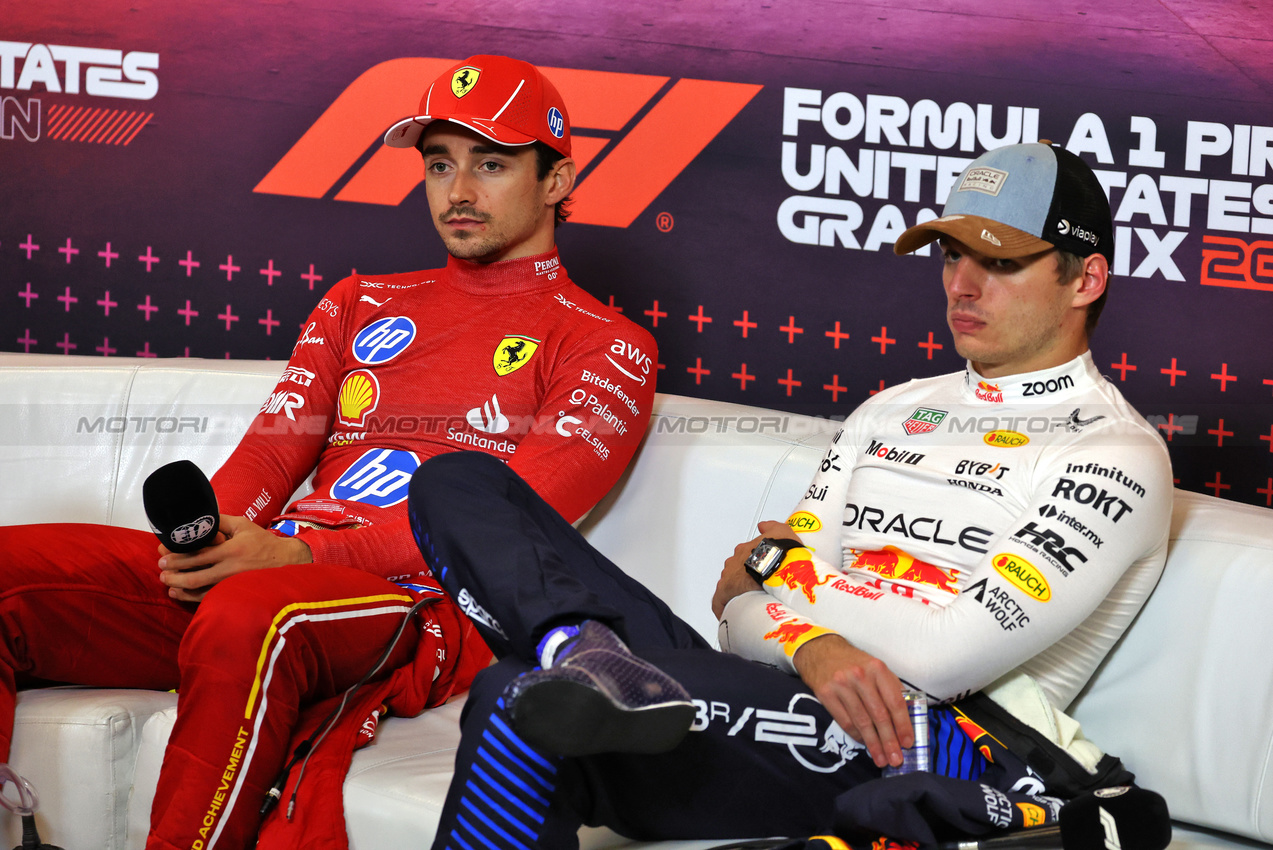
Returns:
point(561, 181)
point(1092, 283)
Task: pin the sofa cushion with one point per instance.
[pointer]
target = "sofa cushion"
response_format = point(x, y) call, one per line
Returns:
point(1184, 837)
point(1186, 698)
point(58, 427)
point(90, 430)
point(185, 410)
point(78, 747)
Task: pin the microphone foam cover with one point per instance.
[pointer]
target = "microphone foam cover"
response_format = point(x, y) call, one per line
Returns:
point(181, 506)
point(1122, 818)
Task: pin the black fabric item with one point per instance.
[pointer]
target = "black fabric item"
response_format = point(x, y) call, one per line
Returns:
point(925, 809)
point(518, 569)
point(1028, 780)
point(1063, 776)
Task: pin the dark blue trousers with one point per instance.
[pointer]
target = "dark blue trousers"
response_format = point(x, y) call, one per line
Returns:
point(763, 757)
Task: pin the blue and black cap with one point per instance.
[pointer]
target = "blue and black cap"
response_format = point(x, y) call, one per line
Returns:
point(1022, 199)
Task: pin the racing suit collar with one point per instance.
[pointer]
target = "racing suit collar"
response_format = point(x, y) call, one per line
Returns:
point(507, 277)
point(1045, 385)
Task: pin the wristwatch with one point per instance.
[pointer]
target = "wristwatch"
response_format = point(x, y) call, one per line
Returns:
point(767, 557)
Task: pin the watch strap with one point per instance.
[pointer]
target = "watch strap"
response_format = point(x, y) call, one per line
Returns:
point(768, 557)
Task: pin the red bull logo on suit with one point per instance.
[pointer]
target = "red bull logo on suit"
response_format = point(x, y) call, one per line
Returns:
point(895, 565)
point(789, 632)
point(792, 635)
point(800, 575)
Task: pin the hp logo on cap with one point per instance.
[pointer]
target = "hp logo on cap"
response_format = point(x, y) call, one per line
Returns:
point(556, 122)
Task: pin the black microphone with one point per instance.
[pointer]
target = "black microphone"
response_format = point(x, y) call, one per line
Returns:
point(1119, 818)
point(181, 506)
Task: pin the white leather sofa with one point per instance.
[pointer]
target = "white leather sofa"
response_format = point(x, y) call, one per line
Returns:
point(1186, 699)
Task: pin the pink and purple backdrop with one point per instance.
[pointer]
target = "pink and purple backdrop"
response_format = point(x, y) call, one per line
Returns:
point(186, 179)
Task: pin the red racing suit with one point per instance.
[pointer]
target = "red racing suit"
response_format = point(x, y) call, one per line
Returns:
point(509, 358)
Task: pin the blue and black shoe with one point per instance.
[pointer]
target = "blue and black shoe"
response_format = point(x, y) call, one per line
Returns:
point(597, 697)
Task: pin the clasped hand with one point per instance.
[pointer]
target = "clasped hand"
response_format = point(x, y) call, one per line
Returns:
point(240, 545)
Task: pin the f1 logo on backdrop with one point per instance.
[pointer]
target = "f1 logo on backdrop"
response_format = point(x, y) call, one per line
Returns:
point(631, 168)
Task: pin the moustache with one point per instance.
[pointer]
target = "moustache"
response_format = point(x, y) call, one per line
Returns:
point(463, 212)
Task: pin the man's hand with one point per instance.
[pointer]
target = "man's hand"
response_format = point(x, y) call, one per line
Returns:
point(861, 693)
point(241, 546)
point(734, 578)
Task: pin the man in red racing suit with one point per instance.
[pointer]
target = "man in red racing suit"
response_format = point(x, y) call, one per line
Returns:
point(264, 631)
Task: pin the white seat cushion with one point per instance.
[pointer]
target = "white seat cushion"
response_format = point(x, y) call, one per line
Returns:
point(81, 744)
point(1186, 698)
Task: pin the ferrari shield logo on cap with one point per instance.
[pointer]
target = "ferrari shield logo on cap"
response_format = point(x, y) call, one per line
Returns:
point(512, 353)
point(463, 80)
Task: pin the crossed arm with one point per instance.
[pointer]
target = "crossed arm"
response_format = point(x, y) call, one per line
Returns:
point(859, 690)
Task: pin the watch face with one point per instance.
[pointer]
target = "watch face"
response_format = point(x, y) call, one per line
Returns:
point(765, 558)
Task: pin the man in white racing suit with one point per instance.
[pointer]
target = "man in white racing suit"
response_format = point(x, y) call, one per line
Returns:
point(1024, 500)
point(999, 525)
point(1026, 512)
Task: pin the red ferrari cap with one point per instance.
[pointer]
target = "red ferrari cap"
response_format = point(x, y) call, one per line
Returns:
point(506, 100)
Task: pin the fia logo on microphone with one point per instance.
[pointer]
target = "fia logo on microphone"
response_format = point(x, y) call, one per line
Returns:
point(192, 531)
